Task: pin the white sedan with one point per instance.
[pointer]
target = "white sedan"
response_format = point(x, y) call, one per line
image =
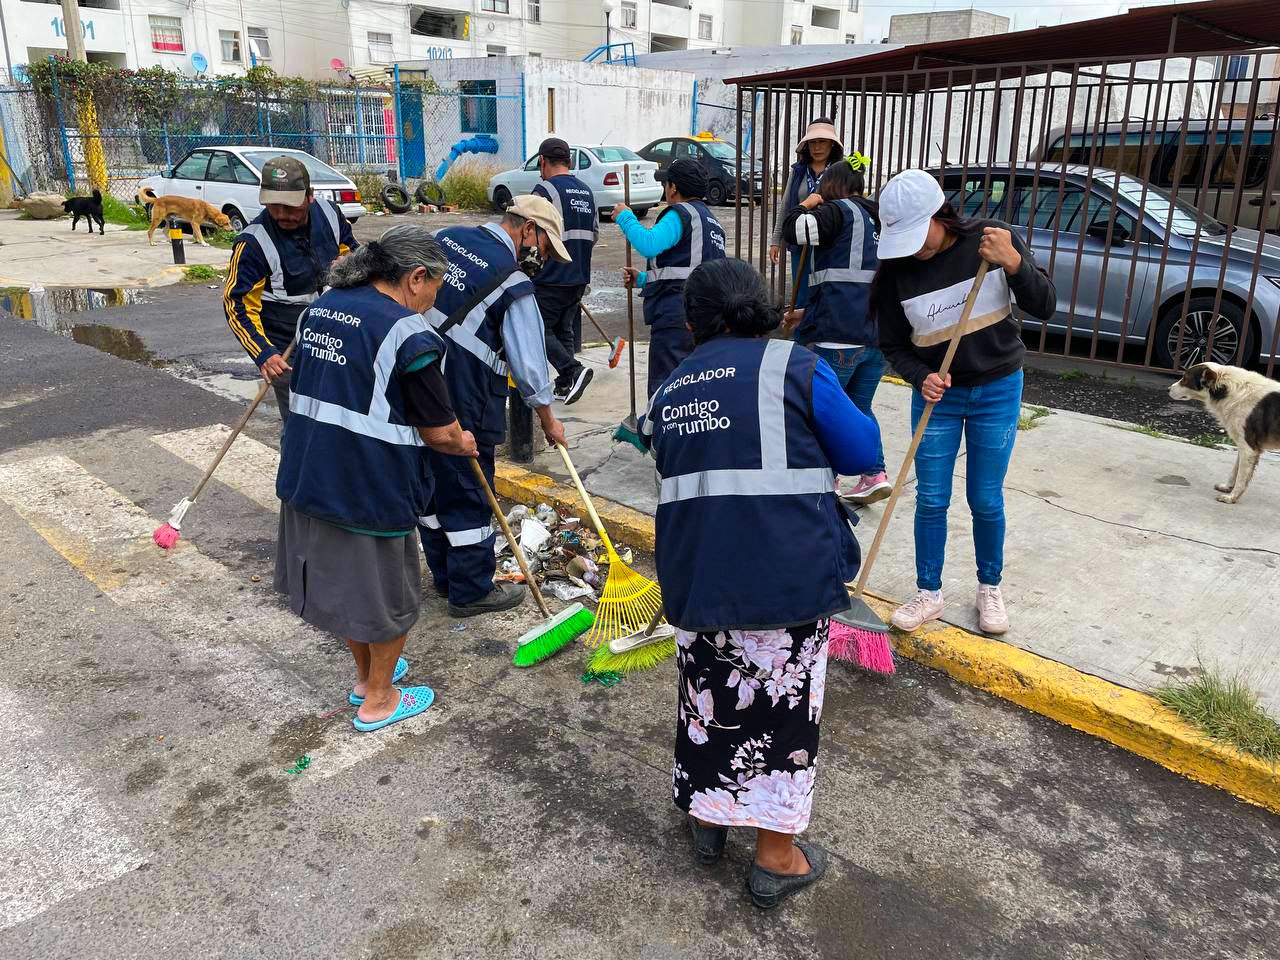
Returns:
point(599, 167)
point(229, 177)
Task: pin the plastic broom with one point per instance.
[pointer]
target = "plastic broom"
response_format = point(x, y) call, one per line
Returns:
point(629, 600)
point(859, 635)
point(168, 533)
point(636, 651)
point(559, 630)
point(615, 346)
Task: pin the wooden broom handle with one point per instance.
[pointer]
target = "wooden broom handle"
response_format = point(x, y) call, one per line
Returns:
point(235, 431)
point(594, 321)
point(919, 433)
point(582, 492)
point(506, 531)
point(795, 287)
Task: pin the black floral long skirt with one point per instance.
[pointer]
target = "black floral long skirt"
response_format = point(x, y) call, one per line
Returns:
point(750, 705)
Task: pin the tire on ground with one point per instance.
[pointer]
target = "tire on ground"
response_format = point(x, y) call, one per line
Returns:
point(395, 198)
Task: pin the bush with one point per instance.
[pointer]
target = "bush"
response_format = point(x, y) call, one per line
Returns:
point(370, 186)
point(201, 273)
point(466, 185)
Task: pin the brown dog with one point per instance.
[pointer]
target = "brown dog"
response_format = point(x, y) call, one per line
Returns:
point(186, 209)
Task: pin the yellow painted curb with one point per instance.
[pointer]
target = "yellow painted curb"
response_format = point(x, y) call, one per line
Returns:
point(1127, 718)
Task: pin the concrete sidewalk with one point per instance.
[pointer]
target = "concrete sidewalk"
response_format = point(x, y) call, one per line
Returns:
point(1119, 561)
point(50, 254)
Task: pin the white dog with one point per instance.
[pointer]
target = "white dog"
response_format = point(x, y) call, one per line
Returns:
point(1247, 405)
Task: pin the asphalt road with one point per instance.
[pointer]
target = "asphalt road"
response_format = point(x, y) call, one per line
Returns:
point(152, 705)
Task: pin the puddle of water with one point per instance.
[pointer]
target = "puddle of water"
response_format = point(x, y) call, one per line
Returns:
point(52, 308)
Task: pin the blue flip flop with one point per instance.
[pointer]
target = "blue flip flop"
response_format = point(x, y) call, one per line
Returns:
point(413, 701)
point(402, 667)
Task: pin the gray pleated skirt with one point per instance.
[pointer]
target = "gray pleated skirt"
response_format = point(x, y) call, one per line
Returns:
point(362, 588)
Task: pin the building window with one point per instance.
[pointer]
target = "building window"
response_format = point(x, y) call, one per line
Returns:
point(704, 27)
point(259, 44)
point(380, 48)
point(1237, 68)
point(534, 53)
point(166, 35)
point(629, 14)
point(479, 106)
point(230, 40)
point(493, 50)
point(853, 6)
point(850, 38)
point(533, 11)
point(797, 35)
point(495, 6)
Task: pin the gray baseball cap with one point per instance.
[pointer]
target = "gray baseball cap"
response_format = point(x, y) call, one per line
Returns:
point(284, 180)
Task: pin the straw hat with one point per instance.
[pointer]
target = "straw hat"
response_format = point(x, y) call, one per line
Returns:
point(819, 130)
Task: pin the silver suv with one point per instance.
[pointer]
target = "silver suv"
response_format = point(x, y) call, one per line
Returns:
point(1093, 275)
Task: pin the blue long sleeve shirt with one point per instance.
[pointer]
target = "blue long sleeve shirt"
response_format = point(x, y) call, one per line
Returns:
point(648, 242)
point(524, 342)
point(849, 438)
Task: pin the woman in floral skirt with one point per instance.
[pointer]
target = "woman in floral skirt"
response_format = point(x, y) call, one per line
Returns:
point(753, 552)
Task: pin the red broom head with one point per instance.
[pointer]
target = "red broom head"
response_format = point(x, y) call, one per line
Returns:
point(618, 347)
point(866, 649)
point(166, 537)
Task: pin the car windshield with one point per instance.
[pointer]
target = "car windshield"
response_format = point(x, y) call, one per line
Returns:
point(721, 150)
point(320, 172)
point(1156, 205)
point(615, 154)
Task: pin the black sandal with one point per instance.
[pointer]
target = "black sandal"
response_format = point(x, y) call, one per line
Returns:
point(768, 889)
point(708, 842)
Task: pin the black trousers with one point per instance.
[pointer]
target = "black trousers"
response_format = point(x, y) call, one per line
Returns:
point(561, 309)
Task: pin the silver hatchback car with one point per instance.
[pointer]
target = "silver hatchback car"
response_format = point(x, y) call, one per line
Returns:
point(1098, 282)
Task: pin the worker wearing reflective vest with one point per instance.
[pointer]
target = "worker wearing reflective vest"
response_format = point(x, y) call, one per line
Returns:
point(278, 267)
point(559, 287)
point(487, 313)
point(745, 433)
point(685, 235)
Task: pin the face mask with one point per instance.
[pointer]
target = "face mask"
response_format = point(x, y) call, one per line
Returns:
point(530, 259)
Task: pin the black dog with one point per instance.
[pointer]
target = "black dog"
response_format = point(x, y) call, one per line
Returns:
point(88, 207)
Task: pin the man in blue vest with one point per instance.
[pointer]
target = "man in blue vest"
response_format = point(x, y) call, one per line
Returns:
point(559, 286)
point(487, 312)
point(278, 265)
point(685, 235)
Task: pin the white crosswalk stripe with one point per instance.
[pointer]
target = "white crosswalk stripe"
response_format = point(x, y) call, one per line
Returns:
point(249, 466)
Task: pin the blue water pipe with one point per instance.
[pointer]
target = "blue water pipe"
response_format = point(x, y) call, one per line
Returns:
point(481, 143)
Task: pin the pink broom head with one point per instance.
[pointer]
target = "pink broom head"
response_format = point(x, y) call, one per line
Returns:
point(168, 534)
point(619, 345)
point(869, 650)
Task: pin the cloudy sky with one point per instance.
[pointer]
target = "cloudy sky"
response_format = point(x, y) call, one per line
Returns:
point(1024, 15)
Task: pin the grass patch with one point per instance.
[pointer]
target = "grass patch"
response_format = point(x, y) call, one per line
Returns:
point(1073, 374)
point(222, 239)
point(370, 186)
point(1146, 430)
point(1226, 710)
point(1031, 419)
point(466, 185)
point(1211, 440)
point(128, 215)
point(202, 273)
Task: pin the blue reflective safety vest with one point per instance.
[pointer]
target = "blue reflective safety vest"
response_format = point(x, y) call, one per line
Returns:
point(839, 308)
point(347, 455)
point(577, 206)
point(701, 239)
point(481, 284)
point(749, 531)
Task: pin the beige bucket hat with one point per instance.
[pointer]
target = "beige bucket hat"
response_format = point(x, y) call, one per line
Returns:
point(820, 130)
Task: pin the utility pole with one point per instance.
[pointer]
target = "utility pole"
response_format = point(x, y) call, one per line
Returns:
point(71, 27)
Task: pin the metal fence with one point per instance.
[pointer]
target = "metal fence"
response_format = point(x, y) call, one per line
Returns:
point(403, 130)
point(1149, 189)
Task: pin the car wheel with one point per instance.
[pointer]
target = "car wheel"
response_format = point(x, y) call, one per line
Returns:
point(501, 199)
point(395, 198)
point(238, 222)
point(1228, 328)
point(715, 193)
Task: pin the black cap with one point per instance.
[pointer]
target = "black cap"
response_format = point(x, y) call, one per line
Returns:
point(688, 175)
point(554, 149)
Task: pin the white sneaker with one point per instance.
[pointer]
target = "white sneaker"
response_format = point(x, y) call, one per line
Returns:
point(925, 605)
point(992, 617)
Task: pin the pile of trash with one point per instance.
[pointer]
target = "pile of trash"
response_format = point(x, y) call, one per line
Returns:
point(563, 553)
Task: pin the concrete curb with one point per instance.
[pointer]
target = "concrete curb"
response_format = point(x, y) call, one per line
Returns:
point(1124, 717)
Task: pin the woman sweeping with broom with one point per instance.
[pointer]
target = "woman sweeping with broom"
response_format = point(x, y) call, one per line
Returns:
point(753, 551)
point(929, 257)
point(367, 394)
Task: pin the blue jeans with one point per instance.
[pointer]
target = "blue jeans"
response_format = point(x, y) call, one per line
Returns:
point(988, 418)
point(859, 370)
point(802, 293)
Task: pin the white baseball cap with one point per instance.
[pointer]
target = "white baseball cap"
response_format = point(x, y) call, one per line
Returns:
point(907, 203)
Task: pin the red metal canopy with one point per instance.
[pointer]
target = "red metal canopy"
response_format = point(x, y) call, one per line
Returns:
point(1180, 28)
